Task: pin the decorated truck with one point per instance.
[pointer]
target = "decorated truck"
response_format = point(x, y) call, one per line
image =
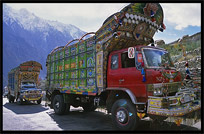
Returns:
point(119, 67)
point(23, 83)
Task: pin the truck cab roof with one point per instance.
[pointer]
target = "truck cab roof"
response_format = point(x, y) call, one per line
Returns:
point(138, 48)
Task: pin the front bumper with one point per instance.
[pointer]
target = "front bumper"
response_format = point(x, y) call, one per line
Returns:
point(184, 102)
point(176, 111)
point(32, 97)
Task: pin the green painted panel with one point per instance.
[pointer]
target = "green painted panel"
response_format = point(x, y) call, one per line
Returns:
point(82, 83)
point(48, 68)
point(56, 66)
point(90, 44)
point(56, 76)
point(74, 83)
point(82, 60)
point(52, 57)
point(91, 83)
point(82, 73)
point(56, 56)
point(51, 76)
point(61, 54)
point(74, 74)
point(73, 62)
point(60, 65)
point(61, 83)
point(67, 83)
point(61, 75)
point(73, 49)
point(51, 82)
point(90, 59)
point(67, 64)
point(67, 52)
point(91, 72)
point(56, 81)
point(82, 47)
point(51, 67)
point(74, 67)
point(67, 75)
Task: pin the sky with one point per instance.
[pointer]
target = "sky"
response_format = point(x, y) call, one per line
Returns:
point(180, 18)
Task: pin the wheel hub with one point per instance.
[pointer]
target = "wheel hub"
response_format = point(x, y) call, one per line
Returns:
point(121, 116)
point(57, 105)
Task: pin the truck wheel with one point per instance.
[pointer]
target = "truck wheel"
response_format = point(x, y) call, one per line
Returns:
point(11, 98)
point(19, 101)
point(89, 107)
point(59, 105)
point(67, 108)
point(39, 101)
point(124, 115)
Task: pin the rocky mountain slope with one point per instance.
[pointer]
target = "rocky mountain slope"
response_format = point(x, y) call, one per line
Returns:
point(187, 50)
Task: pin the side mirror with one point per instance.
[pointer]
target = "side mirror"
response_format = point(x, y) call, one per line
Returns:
point(139, 57)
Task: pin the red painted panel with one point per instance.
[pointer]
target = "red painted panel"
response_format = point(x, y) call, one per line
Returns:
point(129, 78)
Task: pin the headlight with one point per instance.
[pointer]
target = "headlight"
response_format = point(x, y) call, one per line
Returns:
point(158, 91)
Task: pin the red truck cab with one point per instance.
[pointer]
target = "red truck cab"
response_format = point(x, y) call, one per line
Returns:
point(146, 84)
point(137, 74)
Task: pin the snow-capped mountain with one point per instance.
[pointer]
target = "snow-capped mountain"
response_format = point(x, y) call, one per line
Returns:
point(29, 37)
point(31, 22)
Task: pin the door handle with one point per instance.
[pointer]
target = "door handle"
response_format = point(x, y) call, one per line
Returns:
point(121, 80)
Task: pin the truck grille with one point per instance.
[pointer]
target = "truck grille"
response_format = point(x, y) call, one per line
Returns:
point(33, 92)
point(168, 89)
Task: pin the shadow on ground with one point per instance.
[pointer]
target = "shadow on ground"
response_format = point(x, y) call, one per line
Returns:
point(26, 108)
point(163, 126)
point(79, 120)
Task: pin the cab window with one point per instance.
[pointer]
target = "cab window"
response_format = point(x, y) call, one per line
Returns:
point(114, 62)
point(127, 62)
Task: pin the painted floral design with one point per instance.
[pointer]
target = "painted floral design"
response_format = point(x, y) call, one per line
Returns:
point(150, 7)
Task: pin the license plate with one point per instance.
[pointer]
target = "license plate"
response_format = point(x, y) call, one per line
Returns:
point(186, 98)
point(33, 96)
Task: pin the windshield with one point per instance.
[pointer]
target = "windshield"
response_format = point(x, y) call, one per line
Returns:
point(28, 85)
point(157, 58)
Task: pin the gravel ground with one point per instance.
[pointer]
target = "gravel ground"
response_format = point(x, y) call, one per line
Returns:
point(38, 117)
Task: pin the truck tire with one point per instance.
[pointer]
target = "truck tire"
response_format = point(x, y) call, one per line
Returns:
point(11, 98)
point(67, 108)
point(19, 101)
point(124, 115)
point(39, 101)
point(59, 105)
point(89, 107)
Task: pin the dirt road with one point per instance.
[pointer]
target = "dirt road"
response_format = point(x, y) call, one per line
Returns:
point(38, 117)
